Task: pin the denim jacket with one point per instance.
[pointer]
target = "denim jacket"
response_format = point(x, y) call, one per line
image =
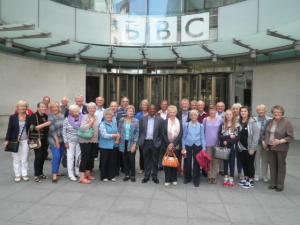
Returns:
point(133, 136)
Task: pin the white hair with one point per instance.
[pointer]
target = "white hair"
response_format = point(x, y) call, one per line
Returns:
point(91, 105)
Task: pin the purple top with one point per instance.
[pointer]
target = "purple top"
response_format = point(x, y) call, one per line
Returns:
point(211, 130)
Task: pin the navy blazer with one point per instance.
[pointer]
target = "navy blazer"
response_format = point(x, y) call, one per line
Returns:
point(157, 139)
point(12, 133)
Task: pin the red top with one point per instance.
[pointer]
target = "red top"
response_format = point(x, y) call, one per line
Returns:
point(201, 117)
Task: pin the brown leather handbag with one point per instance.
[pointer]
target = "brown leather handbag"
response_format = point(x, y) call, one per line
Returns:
point(170, 160)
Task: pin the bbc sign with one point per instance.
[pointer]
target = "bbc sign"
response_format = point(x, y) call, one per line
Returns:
point(139, 30)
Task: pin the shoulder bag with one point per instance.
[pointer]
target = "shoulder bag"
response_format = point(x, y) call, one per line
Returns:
point(34, 141)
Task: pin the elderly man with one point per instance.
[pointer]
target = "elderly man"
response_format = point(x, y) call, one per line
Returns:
point(202, 113)
point(100, 108)
point(163, 112)
point(220, 110)
point(64, 105)
point(79, 100)
point(123, 109)
point(184, 115)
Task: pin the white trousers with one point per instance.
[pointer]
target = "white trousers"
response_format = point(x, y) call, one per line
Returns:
point(261, 163)
point(20, 159)
point(73, 158)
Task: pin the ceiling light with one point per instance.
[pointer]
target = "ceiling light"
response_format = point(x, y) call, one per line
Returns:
point(43, 51)
point(145, 62)
point(77, 57)
point(110, 60)
point(8, 43)
point(253, 54)
point(214, 58)
point(179, 61)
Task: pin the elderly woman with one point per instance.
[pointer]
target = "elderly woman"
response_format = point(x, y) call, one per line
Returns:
point(193, 141)
point(172, 137)
point(71, 140)
point(228, 138)
point(89, 124)
point(248, 135)
point(108, 141)
point(55, 138)
point(129, 132)
point(278, 134)
point(40, 127)
point(211, 129)
point(261, 156)
point(17, 130)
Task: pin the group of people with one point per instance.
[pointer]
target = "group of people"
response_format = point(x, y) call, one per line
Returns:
point(117, 132)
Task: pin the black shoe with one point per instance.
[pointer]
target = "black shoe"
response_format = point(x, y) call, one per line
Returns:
point(279, 189)
point(126, 178)
point(186, 181)
point(271, 187)
point(196, 185)
point(132, 179)
point(43, 177)
point(155, 180)
point(145, 180)
point(160, 168)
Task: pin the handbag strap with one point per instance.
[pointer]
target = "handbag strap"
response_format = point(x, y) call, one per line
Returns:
point(20, 135)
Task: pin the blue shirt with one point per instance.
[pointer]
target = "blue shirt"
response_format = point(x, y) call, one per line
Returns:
point(185, 116)
point(150, 128)
point(193, 134)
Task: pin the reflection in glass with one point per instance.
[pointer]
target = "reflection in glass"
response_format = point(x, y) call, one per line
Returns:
point(131, 7)
point(193, 6)
point(164, 7)
point(101, 5)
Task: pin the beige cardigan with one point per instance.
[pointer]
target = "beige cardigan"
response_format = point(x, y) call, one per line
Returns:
point(284, 130)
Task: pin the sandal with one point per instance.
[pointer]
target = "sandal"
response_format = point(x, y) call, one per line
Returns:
point(37, 180)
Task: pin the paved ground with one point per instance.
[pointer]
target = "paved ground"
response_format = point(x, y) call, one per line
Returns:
point(69, 203)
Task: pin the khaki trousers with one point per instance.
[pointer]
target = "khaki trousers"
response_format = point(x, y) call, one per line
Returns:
point(214, 164)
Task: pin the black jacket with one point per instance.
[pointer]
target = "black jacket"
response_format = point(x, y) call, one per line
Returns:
point(179, 116)
point(12, 133)
point(157, 137)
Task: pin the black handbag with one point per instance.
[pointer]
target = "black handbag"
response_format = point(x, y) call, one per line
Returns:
point(34, 141)
point(13, 146)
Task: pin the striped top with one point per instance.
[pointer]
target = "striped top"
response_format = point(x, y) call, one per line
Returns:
point(69, 133)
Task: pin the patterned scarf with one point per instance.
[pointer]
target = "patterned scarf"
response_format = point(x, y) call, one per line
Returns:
point(75, 123)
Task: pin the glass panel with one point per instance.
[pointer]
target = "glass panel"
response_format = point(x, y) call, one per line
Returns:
point(156, 90)
point(206, 89)
point(132, 7)
point(194, 87)
point(185, 87)
point(140, 92)
point(193, 6)
point(222, 89)
point(92, 88)
point(213, 3)
point(123, 86)
point(173, 94)
point(112, 88)
point(164, 7)
point(243, 88)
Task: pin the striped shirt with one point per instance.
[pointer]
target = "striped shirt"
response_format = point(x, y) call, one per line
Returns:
point(55, 129)
point(69, 133)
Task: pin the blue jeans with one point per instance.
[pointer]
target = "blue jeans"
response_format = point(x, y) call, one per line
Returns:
point(230, 162)
point(56, 157)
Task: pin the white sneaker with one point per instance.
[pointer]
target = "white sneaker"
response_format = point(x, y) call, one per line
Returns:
point(17, 179)
point(25, 178)
point(167, 184)
point(105, 179)
point(73, 178)
point(113, 179)
point(175, 183)
point(256, 179)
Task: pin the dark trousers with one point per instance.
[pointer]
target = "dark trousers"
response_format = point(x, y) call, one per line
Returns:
point(141, 159)
point(171, 173)
point(162, 151)
point(108, 163)
point(129, 161)
point(39, 159)
point(151, 159)
point(277, 162)
point(119, 164)
point(191, 164)
point(230, 163)
point(238, 162)
point(247, 162)
point(87, 157)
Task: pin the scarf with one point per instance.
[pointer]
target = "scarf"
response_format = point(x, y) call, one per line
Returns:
point(173, 129)
point(75, 123)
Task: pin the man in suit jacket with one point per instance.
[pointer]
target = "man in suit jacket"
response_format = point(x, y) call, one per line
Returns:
point(79, 100)
point(184, 114)
point(150, 139)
